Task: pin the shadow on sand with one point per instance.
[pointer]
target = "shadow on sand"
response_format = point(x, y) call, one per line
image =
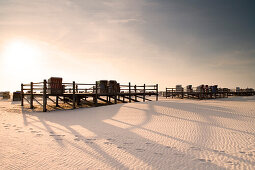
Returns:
point(93, 119)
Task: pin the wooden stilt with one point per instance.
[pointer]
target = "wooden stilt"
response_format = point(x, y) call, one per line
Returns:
point(129, 91)
point(144, 93)
point(135, 94)
point(44, 96)
point(22, 95)
point(73, 94)
point(96, 95)
point(31, 95)
point(156, 92)
point(57, 101)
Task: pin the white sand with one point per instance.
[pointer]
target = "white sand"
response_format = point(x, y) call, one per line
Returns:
point(168, 134)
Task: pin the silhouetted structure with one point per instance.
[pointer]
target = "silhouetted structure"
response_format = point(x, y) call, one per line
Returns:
point(76, 94)
point(206, 92)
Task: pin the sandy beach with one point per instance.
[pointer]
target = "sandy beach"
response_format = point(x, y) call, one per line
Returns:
point(164, 134)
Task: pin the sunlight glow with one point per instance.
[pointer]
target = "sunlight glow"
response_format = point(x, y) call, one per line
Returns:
point(19, 52)
point(21, 58)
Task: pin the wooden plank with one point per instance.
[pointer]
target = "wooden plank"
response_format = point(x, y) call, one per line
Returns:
point(38, 102)
point(31, 95)
point(156, 92)
point(22, 95)
point(143, 98)
point(131, 99)
point(73, 94)
point(99, 98)
point(144, 93)
point(129, 91)
point(44, 96)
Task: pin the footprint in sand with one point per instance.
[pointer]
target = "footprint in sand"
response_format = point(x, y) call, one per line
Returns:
point(195, 148)
point(91, 139)
point(59, 139)
point(202, 160)
point(107, 143)
point(57, 135)
point(128, 143)
point(179, 154)
point(110, 139)
point(229, 162)
point(120, 147)
point(140, 150)
point(39, 134)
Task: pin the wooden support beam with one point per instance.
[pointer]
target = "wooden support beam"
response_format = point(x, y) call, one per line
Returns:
point(57, 101)
point(156, 92)
point(129, 91)
point(44, 96)
point(166, 93)
point(31, 95)
point(74, 94)
point(132, 99)
point(115, 97)
point(143, 98)
point(135, 93)
point(96, 96)
point(121, 100)
point(99, 98)
point(22, 95)
point(144, 93)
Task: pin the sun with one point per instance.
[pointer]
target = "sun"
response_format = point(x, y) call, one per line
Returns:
point(21, 51)
point(20, 55)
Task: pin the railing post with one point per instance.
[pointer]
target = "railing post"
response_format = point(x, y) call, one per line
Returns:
point(135, 94)
point(182, 93)
point(57, 101)
point(44, 96)
point(73, 94)
point(144, 93)
point(115, 96)
point(172, 92)
point(129, 91)
point(31, 95)
point(166, 93)
point(156, 92)
point(96, 95)
point(22, 95)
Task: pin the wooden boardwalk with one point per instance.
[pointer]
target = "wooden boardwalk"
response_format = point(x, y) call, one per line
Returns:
point(76, 94)
point(205, 93)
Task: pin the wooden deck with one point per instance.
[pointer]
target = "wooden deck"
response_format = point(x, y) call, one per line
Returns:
point(77, 94)
point(205, 94)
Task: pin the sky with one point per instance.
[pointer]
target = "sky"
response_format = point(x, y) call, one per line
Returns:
point(165, 42)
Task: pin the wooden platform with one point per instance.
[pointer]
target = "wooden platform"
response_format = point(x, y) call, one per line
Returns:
point(77, 94)
point(205, 94)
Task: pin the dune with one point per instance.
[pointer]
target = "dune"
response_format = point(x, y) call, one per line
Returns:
point(164, 134)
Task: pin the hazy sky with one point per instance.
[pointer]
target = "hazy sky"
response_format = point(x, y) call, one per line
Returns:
point(141, 41)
